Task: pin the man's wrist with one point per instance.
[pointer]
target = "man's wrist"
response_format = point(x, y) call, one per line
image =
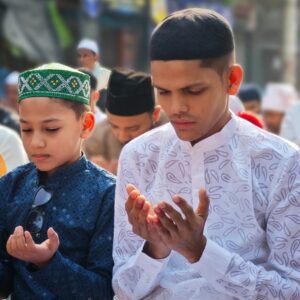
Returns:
point(156, 251)
point(196, 256)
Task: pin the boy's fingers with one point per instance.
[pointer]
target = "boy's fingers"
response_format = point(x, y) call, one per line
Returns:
point(19, 238)
point(29, 241)
point(9, 244)
point(53, 239)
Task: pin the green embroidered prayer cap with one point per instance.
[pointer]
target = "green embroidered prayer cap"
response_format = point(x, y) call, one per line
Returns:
point(55, 80)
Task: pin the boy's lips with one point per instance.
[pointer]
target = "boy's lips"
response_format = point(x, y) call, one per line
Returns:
point(39, 157)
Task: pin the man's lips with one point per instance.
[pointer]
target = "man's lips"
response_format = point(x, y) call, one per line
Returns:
point(182, 123)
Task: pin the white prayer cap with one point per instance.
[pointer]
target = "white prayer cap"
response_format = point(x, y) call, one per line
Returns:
point(279, 97)
point(12, 78)
point(88, 44)
point(235, 104)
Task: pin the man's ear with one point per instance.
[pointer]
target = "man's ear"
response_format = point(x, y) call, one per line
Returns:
point(156, 113)
point(88, 125)
point(95, 96)
point(235, 79)
point(94, 100)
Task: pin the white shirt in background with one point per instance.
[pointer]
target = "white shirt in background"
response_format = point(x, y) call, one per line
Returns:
point(102, 74)
point(99, 115)
point(12, 153)
point(290, 127)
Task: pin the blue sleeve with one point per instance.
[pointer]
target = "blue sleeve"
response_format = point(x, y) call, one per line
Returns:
point(6, 271)
point(67, 279)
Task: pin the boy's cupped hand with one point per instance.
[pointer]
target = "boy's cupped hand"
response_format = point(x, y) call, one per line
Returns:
point(21, 245)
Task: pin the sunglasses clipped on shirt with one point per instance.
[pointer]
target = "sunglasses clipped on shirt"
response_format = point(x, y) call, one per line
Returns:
point(35, 218)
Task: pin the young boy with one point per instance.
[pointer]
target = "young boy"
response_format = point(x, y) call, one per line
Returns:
point(56, 216)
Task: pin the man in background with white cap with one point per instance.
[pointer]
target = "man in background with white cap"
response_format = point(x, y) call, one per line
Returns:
point(88, 56)
point(8, 107)
point(11, 91)
point(276, 101)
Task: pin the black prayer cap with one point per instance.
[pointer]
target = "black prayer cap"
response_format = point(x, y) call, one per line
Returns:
point(193, 33)
point(129, 92)
point(249, 92)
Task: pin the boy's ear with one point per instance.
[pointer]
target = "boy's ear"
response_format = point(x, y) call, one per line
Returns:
point(88, 125)
point(235, 79)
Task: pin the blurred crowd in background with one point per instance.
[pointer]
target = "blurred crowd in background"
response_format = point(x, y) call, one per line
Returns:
point(99, 35)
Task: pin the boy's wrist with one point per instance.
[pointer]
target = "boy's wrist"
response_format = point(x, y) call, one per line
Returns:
point(39, 264)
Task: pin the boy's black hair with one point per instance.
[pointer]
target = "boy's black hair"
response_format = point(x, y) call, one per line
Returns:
point(93, 79)
point(78, 108)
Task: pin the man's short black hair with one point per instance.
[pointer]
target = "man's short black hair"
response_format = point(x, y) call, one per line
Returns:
point(191, 34)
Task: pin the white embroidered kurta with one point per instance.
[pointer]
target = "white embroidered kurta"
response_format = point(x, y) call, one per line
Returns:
point(253, 230)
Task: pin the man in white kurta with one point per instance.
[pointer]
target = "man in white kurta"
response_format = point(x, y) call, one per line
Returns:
point(253, 227)
point(251, 248)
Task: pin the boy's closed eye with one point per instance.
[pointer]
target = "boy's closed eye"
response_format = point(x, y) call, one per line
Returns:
point(53, 129)
point(50, 130)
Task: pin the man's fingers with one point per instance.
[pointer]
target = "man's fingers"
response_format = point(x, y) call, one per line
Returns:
point(133, 193)
point(130, 187)
point(203, 207)
point(138, 214)
point(185, 208)
point(159, 230)
point(172, 213)
point(165, 221)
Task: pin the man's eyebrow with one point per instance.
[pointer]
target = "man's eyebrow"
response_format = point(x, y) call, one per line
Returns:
point(197, 84)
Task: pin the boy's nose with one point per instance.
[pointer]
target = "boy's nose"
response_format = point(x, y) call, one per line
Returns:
point(37, 141)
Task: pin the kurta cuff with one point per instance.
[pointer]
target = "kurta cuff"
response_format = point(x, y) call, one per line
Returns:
point(214, 261)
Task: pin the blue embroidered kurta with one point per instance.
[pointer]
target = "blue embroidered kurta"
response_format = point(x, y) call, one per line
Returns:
point(81, 212)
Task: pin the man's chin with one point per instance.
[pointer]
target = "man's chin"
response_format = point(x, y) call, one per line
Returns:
point(187, 137)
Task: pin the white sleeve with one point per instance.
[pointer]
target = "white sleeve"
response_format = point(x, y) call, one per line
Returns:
point(12, 150)
point(279, 277)
point(135, 274)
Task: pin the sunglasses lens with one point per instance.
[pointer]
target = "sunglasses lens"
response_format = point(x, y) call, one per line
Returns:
point(42, 197)
point(34, 222)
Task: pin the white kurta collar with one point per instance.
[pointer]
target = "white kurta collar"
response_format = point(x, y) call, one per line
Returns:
point(215, 140)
